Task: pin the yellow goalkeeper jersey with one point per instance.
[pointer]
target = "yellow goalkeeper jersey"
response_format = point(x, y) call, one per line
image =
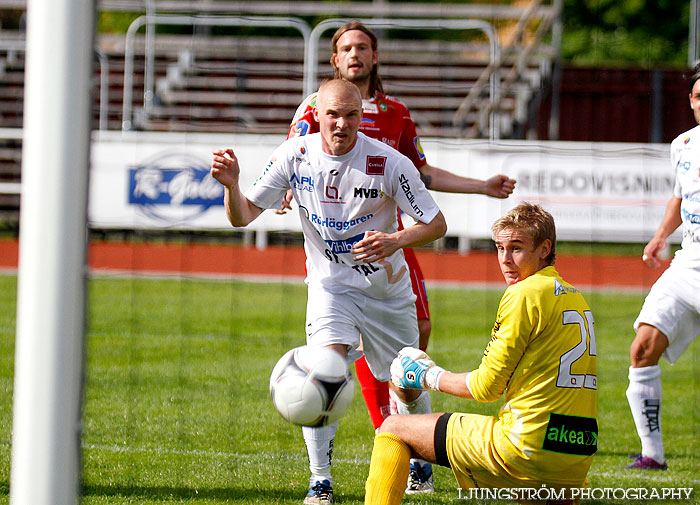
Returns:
point(542, 354)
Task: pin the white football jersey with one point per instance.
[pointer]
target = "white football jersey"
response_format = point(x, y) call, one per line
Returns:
point(339, 199)
point(685, 158)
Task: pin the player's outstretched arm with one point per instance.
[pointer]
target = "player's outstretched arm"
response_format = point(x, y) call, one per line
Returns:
point(437, 179)
point(224, 168)
point(669, 223)
point(456, 384)
point(377, 245)
point(413, 369)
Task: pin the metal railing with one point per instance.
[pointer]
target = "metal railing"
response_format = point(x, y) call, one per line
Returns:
point(20, 46)
point(175, 20)
point(311, 63)
point(550, 21)
point(487, 107)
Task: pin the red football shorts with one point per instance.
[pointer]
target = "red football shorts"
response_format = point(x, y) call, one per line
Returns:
point(418, 284)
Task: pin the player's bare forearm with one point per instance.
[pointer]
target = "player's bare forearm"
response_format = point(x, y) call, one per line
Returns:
point(378, 245)
point(455, 384)
point(423, 233)
point(239, 210)
point(669, 223)
point(671, 220)
point(437, 179)
point(224, 168)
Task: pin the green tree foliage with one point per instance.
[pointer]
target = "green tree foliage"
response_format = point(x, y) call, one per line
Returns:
point(115, 21)
point(635, 32)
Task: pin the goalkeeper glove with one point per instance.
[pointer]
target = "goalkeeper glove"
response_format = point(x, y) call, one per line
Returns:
point(412, 368)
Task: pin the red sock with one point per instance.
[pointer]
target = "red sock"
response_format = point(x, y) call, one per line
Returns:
point(375, 393)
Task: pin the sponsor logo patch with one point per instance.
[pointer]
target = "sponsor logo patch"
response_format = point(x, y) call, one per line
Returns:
point(301, 128)
point(406, 187)
point(685, 165)
point(343, 246)
point(375, 165)
point(331, 222)
point(173, 187)
point(560, 289)
point(302, 184)
point(332, 195)
point(368, 193)
point(419, 148)
point(691, 218)
point(369, 107)
point(571, 435)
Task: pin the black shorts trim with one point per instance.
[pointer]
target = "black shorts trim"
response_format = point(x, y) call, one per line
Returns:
point(440, 440)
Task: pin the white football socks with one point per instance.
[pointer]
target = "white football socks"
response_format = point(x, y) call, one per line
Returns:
point(644, 397)
point(319, 447)
point(420, 405)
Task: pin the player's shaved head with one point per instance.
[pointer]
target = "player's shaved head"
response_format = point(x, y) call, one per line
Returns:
point(338, 112)
point(341, 90)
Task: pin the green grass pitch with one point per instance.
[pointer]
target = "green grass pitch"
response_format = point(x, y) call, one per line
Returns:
point(177, 410)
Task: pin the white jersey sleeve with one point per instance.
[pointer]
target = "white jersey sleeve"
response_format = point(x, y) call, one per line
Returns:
point(685, 159)
point(411, 194)
point(269, 188)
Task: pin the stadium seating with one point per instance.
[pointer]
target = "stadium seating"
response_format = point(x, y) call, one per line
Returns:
point(252, 81)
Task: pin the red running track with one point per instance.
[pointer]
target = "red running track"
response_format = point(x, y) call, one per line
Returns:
point(613, 272)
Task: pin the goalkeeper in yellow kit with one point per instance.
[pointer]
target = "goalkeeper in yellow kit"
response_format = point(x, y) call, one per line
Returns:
point(542, 354)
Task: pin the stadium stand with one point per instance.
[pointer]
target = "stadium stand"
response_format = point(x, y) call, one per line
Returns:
point(247, 80)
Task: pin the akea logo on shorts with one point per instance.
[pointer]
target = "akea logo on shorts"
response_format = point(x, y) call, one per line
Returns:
point(173, 187)
point(571, 435)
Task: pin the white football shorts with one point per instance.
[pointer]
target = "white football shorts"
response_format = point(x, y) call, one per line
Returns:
point(386, 326)
point(673, 306)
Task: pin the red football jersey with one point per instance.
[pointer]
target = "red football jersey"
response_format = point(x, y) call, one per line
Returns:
point(384, 118)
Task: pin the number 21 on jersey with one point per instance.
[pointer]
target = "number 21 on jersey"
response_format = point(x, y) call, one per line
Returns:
point(565, 378)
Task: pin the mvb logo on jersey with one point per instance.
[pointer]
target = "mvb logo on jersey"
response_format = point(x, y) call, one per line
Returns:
point(173, 187)
point(368, 193)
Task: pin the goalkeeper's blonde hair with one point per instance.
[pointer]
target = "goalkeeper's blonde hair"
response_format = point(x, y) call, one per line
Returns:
point(534, 221)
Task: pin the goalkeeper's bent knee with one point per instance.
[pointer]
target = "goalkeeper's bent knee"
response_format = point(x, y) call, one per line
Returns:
point(388, 470)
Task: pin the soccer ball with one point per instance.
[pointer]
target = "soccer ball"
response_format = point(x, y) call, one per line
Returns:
point(311, 386)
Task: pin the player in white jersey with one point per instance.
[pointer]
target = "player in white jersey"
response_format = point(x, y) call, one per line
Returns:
point(670, 317)
point(347, 187)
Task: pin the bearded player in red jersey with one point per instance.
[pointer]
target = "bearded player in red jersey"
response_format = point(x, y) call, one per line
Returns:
point(355, 59)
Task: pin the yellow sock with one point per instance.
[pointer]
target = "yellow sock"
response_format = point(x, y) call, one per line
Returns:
point(388, 470)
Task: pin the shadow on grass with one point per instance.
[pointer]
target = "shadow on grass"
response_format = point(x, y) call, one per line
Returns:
point(631, 454)
point(223, 494)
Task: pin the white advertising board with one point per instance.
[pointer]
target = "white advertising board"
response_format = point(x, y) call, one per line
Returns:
point(599, 192)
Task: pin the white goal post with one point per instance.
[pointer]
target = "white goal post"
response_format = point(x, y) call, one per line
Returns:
point(49, 350)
